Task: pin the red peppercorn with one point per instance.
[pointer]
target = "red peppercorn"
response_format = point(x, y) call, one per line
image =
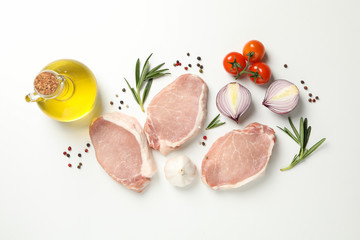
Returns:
point(179, 64)
point(314, 100)
point(86, 150)
point(69, 148)
point(64, 153)
point(186, 68)
point(69, 165)
point(204, 137)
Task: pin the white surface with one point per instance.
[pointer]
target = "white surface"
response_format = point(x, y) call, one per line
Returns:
point(41, 198)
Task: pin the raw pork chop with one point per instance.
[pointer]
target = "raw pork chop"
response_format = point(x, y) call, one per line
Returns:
point(122, 150)
point(177, 113)
point(238, 157)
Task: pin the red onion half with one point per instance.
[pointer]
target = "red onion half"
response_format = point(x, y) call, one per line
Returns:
point(233, 100)
point(281, 97)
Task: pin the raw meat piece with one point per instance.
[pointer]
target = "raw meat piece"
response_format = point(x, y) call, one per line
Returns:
point(238, 157)
point(177, 113)
point(122, 150)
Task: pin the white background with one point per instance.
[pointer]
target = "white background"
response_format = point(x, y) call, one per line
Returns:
point(41, 198)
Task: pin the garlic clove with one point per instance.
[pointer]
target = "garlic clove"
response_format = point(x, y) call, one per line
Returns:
point(180, 171)
point(233, 100)
point(281, 97)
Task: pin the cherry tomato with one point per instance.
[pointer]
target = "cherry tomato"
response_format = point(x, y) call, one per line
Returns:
point(257, 48)
point(261, 73)
point(229, 62)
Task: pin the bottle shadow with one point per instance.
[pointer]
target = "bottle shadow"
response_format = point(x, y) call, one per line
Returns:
point(85, 121)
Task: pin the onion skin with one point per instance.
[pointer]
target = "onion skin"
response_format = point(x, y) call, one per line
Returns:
point(281, 97)
point(233, 100)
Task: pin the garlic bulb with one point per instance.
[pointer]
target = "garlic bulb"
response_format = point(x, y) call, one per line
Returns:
point(180, 171)
point(281, 97)
point(233, 100)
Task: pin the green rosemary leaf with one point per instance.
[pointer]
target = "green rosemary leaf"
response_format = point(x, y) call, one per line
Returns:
point(291, 135)
point(302, 130)
point(137, 71)
point(156, 75)
point(308, 132)
point(305, 127)
point(216, 118)
point(287, 131)
point(133, 92)
point(147, 90)
point(293, 128)
point(304, 133)
point(156, 68)
point(313, 148)
point(144, 72)
point(215, 123)
point(148, 75)
point(218, 124)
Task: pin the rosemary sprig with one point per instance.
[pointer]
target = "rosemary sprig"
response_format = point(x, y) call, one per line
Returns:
point(301, 137)
point(215, 123)
point(146, 75)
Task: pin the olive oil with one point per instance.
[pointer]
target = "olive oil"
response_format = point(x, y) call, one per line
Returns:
point(78, 94)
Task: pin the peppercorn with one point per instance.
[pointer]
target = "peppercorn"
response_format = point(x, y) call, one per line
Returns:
point(124, 90)
point(314, 100)
point(69, 148)
point(69, 165)
point(68, 155)
point(64, 153)
point(119, 108)
point(189, 65)
point(86, 150)
point(88, 144)
point(186, 68)
point(306, 88)
point(198, 58)
point(78, 166)
point(204, 137)
point(127, 106)
point(203, 143)
point(198, 64)
point(188, 54)
point(310, 95)
point(79, 155)
point(201, 66)
point(121, 102)
point(177, 61)
point(201, 71)
point(80, 163)
point(310, 100)
point(302, 82)
point(116, 95)
point(174, 64)
point(111, 103)
point(317, 98)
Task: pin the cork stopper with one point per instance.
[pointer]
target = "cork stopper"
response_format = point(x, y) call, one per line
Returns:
point(46, 83)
